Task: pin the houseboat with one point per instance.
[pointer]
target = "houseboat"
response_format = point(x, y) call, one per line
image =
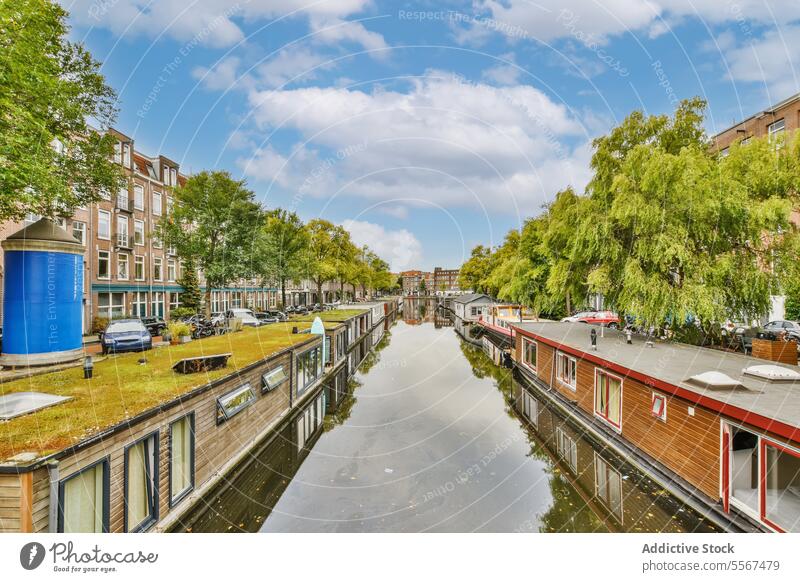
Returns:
point(134, 444)
point(720, 429)
point(497, 323)
point(467, 309)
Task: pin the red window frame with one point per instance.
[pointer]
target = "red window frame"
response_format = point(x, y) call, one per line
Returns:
point(762, 477)
point(597, 373)
point(662, 410)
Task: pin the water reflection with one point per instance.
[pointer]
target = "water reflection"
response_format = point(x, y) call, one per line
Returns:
point(426, 437)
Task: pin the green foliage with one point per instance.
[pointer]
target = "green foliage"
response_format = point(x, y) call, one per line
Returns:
point(179, 329)
point(283, 246)
point(49, 88)
point(191, 297)
point(99, 324)
point(667, 231)
point(181, 312)
point(213, 223)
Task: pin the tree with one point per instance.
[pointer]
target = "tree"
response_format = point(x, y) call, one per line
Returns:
point(475, 270)
point(673, 233)
point(422, 286)
point(50, 158)
point(322, 252)
point(282, 249)
point(213, 223)
point(192, 296)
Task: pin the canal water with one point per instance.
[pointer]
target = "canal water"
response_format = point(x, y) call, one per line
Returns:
point(427, 440)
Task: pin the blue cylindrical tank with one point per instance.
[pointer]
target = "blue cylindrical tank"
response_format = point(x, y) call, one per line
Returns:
point(42, 296)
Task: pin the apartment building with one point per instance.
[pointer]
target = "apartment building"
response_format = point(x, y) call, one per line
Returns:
point(445, 280)
point(774, 123)
point(440, 281)
point(127, 270)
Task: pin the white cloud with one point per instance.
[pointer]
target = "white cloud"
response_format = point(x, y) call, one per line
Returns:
point(444, 142)
point(221, 77)
point(547, 20)
point(292, 65)
point(503, 73)
point(394, 210)
point(400, 248)
point(768, 61)
point(216, 22)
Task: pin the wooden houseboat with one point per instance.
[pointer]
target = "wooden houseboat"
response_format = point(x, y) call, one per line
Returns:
point(137, 445)
point(498, 322)
point(720, 429)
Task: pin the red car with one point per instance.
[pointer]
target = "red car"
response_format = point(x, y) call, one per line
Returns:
point(606, 318)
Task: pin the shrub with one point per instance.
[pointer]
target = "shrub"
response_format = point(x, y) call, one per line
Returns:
point(179, 328)
point(181, 312)
point(99, 324)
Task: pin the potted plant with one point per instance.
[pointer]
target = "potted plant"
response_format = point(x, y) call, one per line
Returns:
point(180, 332)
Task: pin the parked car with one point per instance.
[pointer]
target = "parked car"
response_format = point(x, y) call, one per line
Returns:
point(782, 326)
point(126, 335)
point(155, 325)
point(246, 315)
point(604, 318)
point(301, 310)
point(264, 317)
point(217, 318)
point(578, 316)
point(278, 315)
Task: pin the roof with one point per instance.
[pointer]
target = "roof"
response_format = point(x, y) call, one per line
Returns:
point(471, 297)
point(668, 365)
point(768, 111)
point(46, 230)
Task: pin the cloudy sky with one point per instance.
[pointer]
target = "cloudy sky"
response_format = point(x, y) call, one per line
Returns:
point(431, 128)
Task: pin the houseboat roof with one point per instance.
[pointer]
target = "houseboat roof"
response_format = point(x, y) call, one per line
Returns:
point(334, 315)
point(122, 387)
point(769, 404)
point(469, 298)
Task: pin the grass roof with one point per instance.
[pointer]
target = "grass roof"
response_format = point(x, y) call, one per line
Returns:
point(122, 387)
point(332, 315)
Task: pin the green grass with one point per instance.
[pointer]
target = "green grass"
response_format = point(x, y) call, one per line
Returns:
point(332, 315)
point(122, 388)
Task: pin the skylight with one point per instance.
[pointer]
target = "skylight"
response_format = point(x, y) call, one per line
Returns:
point(715, 381)
point(773, 373)
point(19, 403)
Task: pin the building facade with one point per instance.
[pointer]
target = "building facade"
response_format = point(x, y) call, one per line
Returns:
point(439, 282)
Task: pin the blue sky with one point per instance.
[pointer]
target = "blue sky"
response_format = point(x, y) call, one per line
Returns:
point(432, 127)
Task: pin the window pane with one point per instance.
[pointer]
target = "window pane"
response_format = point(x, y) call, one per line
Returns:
point(782, 483)
point(83, 501)
point(138, 506)
point(181, 456)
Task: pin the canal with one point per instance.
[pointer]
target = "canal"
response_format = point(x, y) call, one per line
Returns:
point(427, 440)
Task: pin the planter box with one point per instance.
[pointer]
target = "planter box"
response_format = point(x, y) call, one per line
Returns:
point(776, 351)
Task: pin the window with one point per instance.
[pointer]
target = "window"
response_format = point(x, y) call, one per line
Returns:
point(122, 231)
point(171, 270)
point(724, 152)
point(530, 408)
point(157, 244)
point(103, 265)
point(157, 203)
point(79, 231)
point(780, 485)
point(529, 353)
point(138, 232)
point(608, 398)
point(158, 274)
point(566, 370)
point(174, 300)
point(181, 458)
point(138, 268)
point(234, 402)
point(608, 486)
point(104, 224)
point(122, 267)
point(567, 449)
point(775, 130)
point(309, 368)
point(157, 307)
point(746, 140)
point(139, 304)
point(83, 505)
point(341, 344)
point(310, 420)
point(138, 197)
point(122, 198)
point(111, 305)
point(141, 484)
point(173, 174)
point(169, 204)
point(273, 379)
point(658, 406)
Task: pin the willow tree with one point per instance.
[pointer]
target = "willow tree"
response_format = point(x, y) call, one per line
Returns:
point(475, 270)
point(672, 232)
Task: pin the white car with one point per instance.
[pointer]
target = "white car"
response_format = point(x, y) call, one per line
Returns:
point(578, 316)
point(246, 315)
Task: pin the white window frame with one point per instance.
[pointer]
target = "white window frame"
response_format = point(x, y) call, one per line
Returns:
point(108, 256)
point(138, 197)
point(79, 226)
point(574, 385)
point(525, 363)
point(172, 270)
point(123, 232)
point(139, 260)
point(160, 262)
point(657, 396)
point(157, 208)
point(136, 224)
point(605, 418)
point(107, 216)
point(122, 258)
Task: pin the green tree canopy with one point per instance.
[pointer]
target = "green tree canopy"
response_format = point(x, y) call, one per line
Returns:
point(213, 222)
point(51, 160)
point(283, 247)
point(475, 270)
